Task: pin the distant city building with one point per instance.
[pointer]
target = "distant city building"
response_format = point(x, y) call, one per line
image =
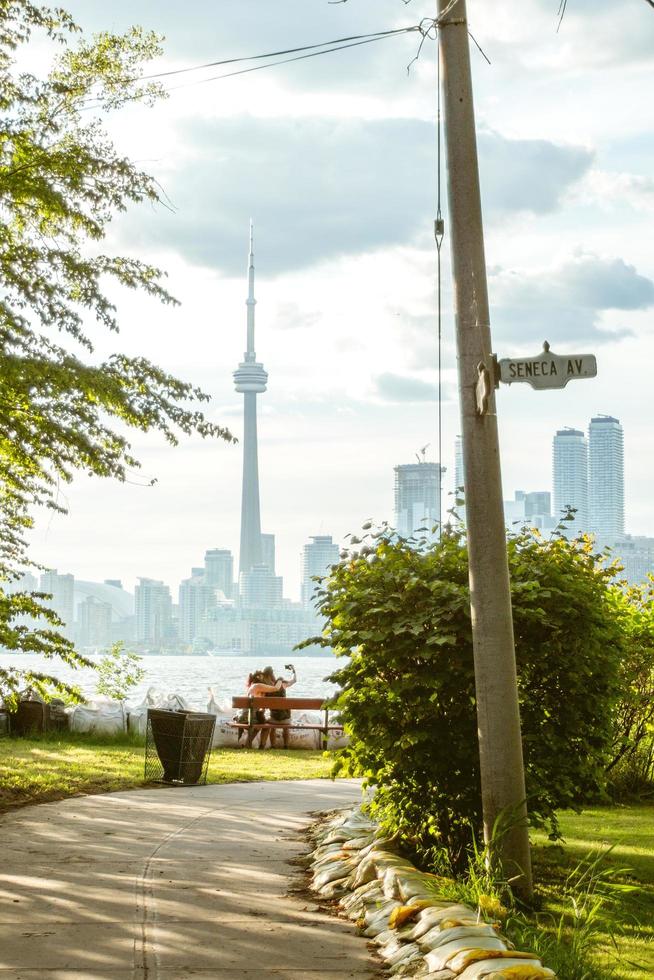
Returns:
point(268, 551)
point(94, 628)
point(115, 582)
point(270, 632)
point(195, 599)
point(636, 555)
point(529, 510)
point(154, 609)
point(219, 570)
point(317, 557)
point(417, 496)
point(606, 476)
point(538, 504)
point(459, 478)
point(259, 587)
point(570, 471)
point(62, 590)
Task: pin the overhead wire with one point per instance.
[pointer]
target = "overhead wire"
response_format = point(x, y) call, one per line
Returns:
point(277, 54)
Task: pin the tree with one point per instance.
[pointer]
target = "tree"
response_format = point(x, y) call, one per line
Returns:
point(399, 611)
point(119, 670)
point(62, 410)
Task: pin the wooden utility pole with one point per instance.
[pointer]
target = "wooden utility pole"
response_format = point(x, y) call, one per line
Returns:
point(500, 744)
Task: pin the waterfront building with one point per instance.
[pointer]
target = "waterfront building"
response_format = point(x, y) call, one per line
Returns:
point(317, 557)
point(154, 612)
point(94, 627)
point(570, 471)
point(532, 509)
point(62, 591)
point(195, 598)
point(265, 632)
point(259, 587)
point(268, 551)
point(606, 477)
point(636, 554)
point(417, 497)
point(219, 570)
point(250, 380)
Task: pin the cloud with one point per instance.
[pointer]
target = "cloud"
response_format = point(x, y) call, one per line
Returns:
point(613, 190)
point(290, 316)
point(403, 388)
point(528, 175)
point(324, 188)
point(565, 303)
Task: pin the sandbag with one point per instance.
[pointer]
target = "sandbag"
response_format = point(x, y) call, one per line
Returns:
point(100, 717)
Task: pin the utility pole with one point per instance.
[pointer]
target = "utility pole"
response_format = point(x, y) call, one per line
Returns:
point(500, 744)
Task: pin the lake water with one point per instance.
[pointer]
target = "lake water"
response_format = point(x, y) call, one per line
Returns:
point(193, 676)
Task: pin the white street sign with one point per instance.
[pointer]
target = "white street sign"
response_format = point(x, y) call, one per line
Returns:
point(547, 370)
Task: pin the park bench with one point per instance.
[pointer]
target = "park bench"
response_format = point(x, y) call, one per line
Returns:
point(252, 705)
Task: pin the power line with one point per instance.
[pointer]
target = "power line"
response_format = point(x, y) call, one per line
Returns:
point(286, 61)
point(330, 45)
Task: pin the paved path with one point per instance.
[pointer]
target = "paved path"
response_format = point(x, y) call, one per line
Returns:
point(168, 884)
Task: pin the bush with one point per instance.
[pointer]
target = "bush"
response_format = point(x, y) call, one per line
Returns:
point(399, 610)
point(631, 767)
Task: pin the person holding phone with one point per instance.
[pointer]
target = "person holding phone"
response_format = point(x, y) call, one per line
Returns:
point(279, 716)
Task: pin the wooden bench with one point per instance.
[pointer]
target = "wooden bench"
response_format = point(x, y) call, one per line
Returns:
point(252, 705)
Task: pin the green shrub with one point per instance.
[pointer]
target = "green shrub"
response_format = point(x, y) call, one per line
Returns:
point(631, 767)
point(400, 612)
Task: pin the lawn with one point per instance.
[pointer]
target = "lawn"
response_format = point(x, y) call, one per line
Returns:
point(629, 830)
point(53, 767)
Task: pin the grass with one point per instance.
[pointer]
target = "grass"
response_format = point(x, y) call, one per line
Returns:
point(54, 767)
point(629, 833)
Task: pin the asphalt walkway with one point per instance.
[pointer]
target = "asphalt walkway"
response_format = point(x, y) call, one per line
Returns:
point(170, 884)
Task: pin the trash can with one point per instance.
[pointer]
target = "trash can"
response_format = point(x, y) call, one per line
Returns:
point(178, 746)
point(30, 717)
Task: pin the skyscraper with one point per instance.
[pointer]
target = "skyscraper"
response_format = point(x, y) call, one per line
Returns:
point(195, 599)
point(62, 590)
point(570, 470)
point(317, 557)
point(417, 492)
point(154, 611)
point(250, 380)
point(219, 570)
point(606, 477)
point(268, 551)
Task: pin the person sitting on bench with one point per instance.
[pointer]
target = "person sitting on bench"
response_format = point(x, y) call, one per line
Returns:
point(279, 716)
point(258, 686)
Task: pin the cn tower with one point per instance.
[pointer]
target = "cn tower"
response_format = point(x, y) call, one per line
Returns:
point(250, 379)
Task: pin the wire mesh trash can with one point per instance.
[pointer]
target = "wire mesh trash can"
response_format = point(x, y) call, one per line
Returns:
point(178, 746)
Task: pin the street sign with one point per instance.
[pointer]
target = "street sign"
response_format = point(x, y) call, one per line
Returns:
point(547, 370)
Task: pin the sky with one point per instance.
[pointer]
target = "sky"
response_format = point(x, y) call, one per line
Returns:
point(334, 158)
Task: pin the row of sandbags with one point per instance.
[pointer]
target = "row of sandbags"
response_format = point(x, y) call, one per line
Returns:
point(417, 933)
point(102, 716)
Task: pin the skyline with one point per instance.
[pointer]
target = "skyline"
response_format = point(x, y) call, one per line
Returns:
point(346, 266)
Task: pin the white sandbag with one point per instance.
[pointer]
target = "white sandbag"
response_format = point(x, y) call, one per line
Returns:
point(176, 702)
point(496, 967)
point(226, 737)
point(137, 715)
point(101, 717)
point(439, 958)
point(337, 740)
point(215, 706)
point(301, 738)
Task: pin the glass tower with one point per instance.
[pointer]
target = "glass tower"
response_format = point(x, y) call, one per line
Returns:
point(570, 469)
point(606, 477)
